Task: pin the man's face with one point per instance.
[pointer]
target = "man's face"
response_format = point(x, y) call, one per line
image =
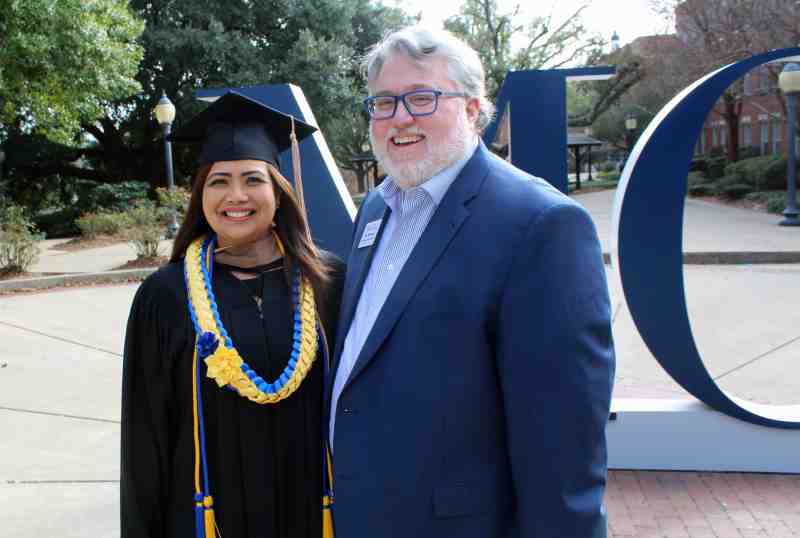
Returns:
point(413, 149)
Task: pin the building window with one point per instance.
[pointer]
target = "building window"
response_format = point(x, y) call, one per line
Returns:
point(777, 136)
point(748, 84)
point(723, 136)
point(714, 137)
point(700, 146)
point(764, 82)
point(764, 138)
point(747, 135)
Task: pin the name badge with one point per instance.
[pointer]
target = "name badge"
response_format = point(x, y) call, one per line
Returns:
point(370, 233)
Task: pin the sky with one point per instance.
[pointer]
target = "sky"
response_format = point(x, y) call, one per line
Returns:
point(629, 18)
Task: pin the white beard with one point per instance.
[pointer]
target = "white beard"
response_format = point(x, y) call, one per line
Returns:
point(412, 174)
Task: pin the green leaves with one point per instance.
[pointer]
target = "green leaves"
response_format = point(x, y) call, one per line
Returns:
point(61, 60)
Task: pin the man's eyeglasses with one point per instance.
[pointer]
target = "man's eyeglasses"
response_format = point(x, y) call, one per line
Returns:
point(417, 103)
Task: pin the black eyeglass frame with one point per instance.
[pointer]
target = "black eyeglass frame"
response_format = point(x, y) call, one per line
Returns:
point(370, 107)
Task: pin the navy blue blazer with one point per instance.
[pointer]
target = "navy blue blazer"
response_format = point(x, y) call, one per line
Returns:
point(478, 405)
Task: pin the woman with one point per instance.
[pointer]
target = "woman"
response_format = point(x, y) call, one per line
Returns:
point(233, 321)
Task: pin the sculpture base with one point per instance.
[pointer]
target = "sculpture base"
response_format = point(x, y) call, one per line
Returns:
point(686, 435)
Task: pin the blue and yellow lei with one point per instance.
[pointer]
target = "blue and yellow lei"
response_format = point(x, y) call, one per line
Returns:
point(225, 365)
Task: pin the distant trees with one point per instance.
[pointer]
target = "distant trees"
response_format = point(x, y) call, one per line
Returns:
point(660, 78)
point(542, 41)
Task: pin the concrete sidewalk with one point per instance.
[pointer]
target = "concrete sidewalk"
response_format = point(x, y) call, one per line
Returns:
point(53, 260)
point(710, 228)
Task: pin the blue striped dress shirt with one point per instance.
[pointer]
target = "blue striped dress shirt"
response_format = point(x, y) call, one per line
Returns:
point(411, 210)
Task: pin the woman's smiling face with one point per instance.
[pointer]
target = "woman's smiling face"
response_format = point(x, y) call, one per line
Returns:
point(239, 201)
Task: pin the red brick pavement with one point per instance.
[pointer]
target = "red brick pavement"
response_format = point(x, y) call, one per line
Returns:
point(649, 504)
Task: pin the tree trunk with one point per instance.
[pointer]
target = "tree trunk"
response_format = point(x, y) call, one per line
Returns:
point(731, 110)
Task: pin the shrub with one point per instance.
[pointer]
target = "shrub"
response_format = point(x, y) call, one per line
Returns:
point(58, 222)
point(776, 174)
point(702, 190)
point(120, 196)
point(19, 248)
point(94, 224)
point(735, 191)
point(145, 228)
point(726, 180)
point(176, 199)
point(698, 178)
point(93, 196)
point(608, 177)
point(717, 151)
point(761, 173)
point(776, 204)
point(748, 152)
point(698, 164)
point(606, 166)
point(715, 166)
point(774, 201)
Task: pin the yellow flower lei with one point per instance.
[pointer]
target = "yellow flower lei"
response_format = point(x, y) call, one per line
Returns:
point(225, 365)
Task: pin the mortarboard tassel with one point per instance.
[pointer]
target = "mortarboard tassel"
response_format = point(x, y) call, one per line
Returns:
point(327, 497)
point(298, 180)
point(210, 523)
point(327, 519)
point(327, 481)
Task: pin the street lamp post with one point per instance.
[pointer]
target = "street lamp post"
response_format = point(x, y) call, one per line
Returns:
point(789, 82)
point(165, 115)
point(630, 129)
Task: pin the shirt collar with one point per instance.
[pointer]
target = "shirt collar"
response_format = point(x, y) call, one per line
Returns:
point(436, 187)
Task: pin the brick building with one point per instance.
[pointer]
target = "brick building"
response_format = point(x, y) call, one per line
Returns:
point(762, 121)
point(762, 127)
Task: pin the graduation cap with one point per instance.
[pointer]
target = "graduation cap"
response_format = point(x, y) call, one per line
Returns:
point(236, 128)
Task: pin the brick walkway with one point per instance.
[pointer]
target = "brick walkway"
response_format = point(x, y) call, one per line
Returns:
point(708, 505)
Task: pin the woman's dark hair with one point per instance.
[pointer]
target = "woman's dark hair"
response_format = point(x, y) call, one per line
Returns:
point(291, 226)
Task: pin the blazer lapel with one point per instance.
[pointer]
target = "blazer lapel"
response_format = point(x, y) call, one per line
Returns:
point(358, 264)
point(441, 229)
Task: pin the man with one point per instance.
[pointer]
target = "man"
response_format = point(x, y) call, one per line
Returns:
point(473, 371)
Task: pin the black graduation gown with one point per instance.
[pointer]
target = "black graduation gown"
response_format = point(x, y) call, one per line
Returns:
point(264, 461)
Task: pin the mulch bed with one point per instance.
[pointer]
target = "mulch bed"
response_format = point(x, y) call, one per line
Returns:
point(741, 203)
point(8, 275)
point(67, 286)
point(587, 189)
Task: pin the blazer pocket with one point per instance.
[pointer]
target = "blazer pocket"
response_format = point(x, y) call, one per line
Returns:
point(460, 500)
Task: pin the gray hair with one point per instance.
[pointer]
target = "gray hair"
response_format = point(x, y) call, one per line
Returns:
point(420, 44)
